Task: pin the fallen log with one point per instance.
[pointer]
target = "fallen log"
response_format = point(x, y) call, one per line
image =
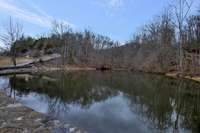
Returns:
point(16, 67)
point(30, 63)
point(103, 68)
point(12, 72)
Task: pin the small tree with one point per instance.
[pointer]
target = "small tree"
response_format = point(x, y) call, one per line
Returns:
point(12, 33)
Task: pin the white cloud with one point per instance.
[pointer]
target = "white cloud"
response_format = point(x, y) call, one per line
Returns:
point(33, 14)
point(115, 3)
point(110, 6)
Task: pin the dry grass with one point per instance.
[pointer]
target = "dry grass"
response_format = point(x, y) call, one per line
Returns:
point(6, 61)
point(171, 75)
point(174, 75)
point(194, 78)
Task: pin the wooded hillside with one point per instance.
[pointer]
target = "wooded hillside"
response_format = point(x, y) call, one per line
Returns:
point(171, 42)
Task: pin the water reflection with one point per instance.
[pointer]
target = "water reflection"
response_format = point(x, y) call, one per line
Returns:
point(119, 102)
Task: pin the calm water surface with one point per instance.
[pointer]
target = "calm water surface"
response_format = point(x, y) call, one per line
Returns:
point(111, 102)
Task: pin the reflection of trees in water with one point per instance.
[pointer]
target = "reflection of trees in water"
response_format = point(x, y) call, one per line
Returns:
point(12, 86)
point(166, 103)
point(187, 107)
point(163, 102)
point(71, 89)
point(149, 98)
point(56, 106)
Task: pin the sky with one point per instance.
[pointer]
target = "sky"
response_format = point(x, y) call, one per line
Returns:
point(117, 19)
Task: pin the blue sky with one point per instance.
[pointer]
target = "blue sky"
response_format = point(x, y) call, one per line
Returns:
point(118, 19)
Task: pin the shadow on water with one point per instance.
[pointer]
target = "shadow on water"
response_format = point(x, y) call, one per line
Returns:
point(112, 102)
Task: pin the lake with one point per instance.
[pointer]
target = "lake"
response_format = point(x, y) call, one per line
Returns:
point(111, 102)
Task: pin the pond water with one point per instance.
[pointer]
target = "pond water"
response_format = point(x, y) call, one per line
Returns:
point(111, 102)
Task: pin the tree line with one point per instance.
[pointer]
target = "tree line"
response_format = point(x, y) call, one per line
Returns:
point(159, 46)
point(170, 35)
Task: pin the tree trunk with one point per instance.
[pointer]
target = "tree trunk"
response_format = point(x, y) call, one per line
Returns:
point(14, 61)
point(181, 58)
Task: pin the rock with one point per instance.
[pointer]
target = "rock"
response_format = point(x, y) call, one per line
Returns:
point(38, 120)
point(66, 126)
point(79, 131)
point(19, 118)
point(56, 123)
point(25, 131)
point(3, 124)
point(71, 130)
point(14, 105)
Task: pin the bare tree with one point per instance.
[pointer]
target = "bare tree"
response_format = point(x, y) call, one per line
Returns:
point(182, 9)
point(193, 29)
point(167, 29)
point(62, 30)
point(13, 32)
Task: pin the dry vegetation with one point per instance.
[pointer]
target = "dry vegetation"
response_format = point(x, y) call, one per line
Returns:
point(6, 61)
point(159, 46)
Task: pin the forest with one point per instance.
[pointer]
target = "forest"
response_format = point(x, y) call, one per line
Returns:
point(170, 42)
